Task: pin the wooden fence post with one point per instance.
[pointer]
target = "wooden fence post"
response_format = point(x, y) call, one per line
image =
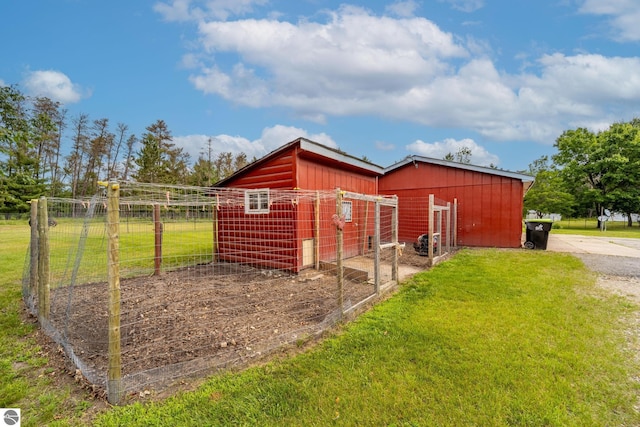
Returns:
point(215, 229)
point(431, 227)
point(316, 240)
point(157, 228)
point(339, 249)
point(44, 286)
point(455, 223)
point(376, 248)
point(365, 243)
point(448, 225)
point(33, 263)
point(394, 239)
point(114, 374)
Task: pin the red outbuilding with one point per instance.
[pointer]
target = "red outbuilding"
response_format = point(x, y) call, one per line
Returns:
point(286, 219)
point(489, 201)
point(281, 222)
point(307, 165)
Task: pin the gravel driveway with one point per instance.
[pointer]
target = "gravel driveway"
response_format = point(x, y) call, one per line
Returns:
point(616, 259)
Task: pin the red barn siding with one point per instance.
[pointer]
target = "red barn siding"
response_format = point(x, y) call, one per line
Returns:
point(489, 206)
point(274, 173)
point(317, 176)
point(289, 169)
point(265, 240)
point(314, 175)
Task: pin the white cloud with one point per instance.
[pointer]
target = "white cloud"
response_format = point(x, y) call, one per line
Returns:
point(319, 68)
point(579, 90)
point(54, 85)
point(384, 146)
point(608, 79)
point(404, 9)
point(196, 10)
point(270, 139)
point(278, 135)
point(624, 16)
point(438, 150)
point(177, 10)
point(241, 85)
point(465, 5)
point(190, 61)
point(407, 69)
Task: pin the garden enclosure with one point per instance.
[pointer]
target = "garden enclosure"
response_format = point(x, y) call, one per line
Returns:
point(145, 284)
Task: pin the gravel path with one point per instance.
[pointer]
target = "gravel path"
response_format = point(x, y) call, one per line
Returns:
point(616, 259)
point(612, 265)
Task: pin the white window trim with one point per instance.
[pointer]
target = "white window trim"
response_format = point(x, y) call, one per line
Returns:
point(263, 200)
point(347, 210)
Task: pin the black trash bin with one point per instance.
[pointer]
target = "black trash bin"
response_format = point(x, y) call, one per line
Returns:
point(537, 233)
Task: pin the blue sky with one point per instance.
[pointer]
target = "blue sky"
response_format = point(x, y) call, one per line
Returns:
point(381, 79)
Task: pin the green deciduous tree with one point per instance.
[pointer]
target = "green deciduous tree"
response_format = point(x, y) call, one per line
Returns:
point(76, 158)
point(579, 158)
point(621, 168)
point(547, 195)
point(463, 155)
point(601, 169)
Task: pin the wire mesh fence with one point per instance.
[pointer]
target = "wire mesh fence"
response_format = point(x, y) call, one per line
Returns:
point(430, 224)
point(145, 284)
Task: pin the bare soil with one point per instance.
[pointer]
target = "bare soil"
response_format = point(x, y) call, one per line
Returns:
point(194, 320)
point(628, 287)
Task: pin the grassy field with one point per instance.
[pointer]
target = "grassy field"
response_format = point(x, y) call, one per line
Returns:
point(491, 337)
point(589, 227)
point(25, 379)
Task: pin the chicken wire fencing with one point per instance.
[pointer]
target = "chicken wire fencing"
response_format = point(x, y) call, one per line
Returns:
point(431, 224)
point(145, 284)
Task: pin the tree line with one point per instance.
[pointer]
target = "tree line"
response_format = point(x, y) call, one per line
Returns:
point(44, 152)
point(591, 173)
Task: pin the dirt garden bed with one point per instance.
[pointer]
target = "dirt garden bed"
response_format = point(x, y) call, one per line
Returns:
point(202, 318)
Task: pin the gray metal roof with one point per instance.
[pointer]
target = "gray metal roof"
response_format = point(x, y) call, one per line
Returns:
point(313, 147)
point(344, 158)
point(465, 166)
point(338, 155)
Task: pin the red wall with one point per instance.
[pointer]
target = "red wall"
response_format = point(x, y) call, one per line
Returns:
point(489, 206)
point(274, 173)
point(313, 175)
point(287, 171)
point(267, 241)
point(318, 176)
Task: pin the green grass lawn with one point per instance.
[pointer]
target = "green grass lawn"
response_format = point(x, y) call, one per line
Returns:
point(490, 337)
point(25, 378)
point(589, 227)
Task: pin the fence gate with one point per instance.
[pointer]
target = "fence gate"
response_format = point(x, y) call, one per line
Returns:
point(442, 225)
point(367, 241)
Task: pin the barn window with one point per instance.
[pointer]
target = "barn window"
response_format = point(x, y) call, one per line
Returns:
point(256, 201)
point(347, 211)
